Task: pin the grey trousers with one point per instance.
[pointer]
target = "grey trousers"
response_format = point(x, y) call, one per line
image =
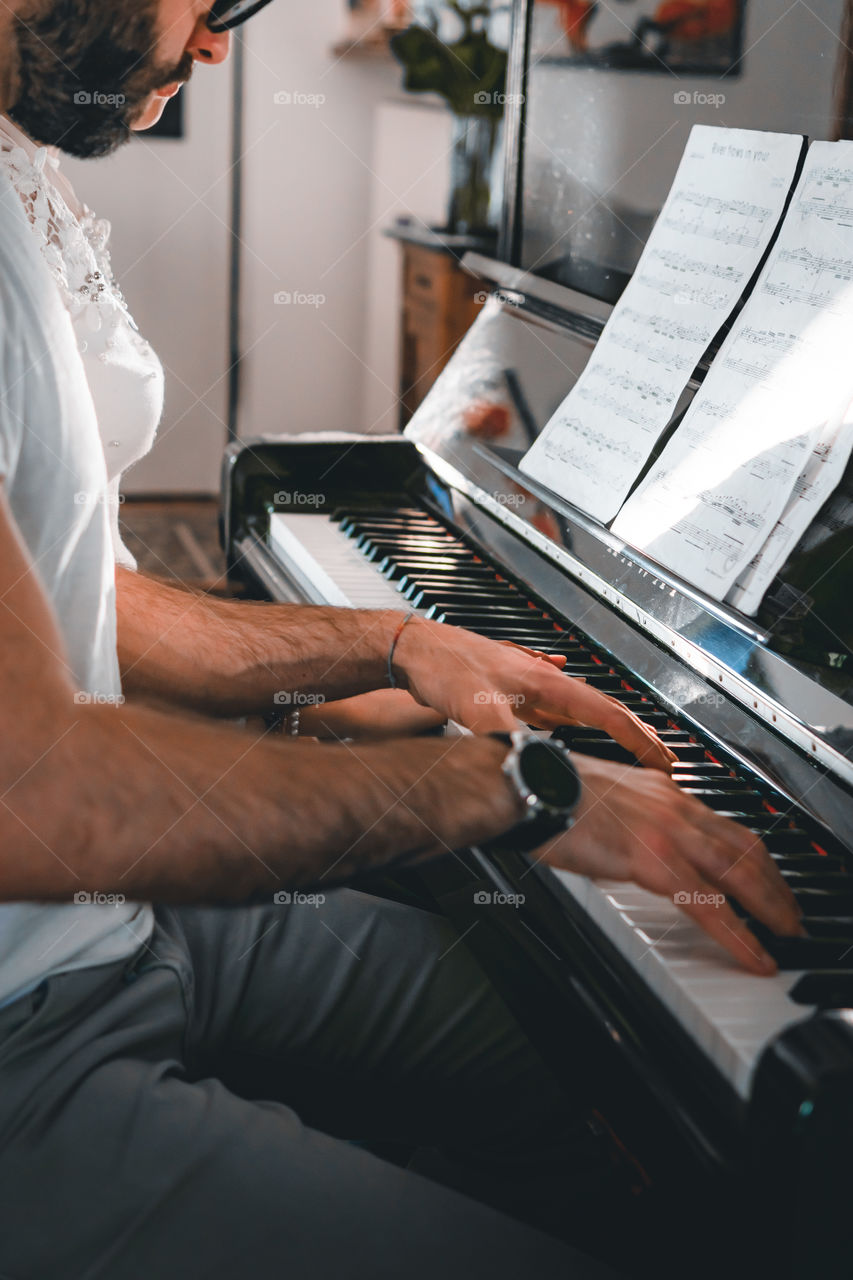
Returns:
point(200, 1112)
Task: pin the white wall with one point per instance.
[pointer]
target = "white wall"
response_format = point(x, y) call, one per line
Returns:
point(308, 178)
point(168, 203)
point(411, 166)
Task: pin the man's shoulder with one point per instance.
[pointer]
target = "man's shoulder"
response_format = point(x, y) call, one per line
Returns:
point(29, 302)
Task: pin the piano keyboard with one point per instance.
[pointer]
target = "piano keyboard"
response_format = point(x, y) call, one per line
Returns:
point(406, 558)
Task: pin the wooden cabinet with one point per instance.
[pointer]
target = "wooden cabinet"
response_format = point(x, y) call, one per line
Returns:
point(440, 303)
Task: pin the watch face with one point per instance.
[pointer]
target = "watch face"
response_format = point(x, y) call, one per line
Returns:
point(550, 775)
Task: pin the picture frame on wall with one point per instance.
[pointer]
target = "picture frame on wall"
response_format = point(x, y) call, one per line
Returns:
point(171, 122)
point(683, 37)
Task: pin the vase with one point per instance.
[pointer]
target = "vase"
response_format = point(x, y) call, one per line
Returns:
point(476, 174)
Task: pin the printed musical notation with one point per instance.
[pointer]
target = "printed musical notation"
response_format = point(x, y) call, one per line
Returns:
point(726, 221)
point(767, 437)
point(715, 226)
point(829, 195)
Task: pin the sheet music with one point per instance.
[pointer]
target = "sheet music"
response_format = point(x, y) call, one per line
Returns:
point(768, 435)
point(719, 217)
point(821, 476)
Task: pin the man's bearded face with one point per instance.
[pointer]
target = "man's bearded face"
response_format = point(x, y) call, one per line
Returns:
point(86, 69)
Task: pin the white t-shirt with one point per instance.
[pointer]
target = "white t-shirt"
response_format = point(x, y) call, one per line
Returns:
point(124, 374)
point(54, 475)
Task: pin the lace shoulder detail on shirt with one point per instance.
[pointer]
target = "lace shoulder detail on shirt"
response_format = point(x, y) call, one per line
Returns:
point(74, 249)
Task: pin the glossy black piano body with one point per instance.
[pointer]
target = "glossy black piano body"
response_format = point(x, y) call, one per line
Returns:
point(758, 1161)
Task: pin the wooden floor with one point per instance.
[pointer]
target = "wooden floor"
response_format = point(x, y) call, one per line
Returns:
point(174, 538)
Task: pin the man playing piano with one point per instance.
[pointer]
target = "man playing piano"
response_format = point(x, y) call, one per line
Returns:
point(178, 1081)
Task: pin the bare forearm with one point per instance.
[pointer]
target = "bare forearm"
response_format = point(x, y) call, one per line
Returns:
point(232, 657)
point(174, 810)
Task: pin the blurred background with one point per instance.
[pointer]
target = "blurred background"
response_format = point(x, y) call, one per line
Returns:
point(261, 231)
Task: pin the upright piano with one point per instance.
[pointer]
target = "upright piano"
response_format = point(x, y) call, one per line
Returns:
point(732, 1094)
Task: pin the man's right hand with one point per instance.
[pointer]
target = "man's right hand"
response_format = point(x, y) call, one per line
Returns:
point(636, 825)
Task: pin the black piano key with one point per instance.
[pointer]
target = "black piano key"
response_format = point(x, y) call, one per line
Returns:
point(686, 752)
point(823, 902)
point(827, 881)
point(409, 565)
point(655, 719)
point(383, 520)
point(825, 989)
point(724, 797)
point(420, 596)
point(836, 927)
point(811, 863)
point(475, 617)
point(804, 953)
point(694, 777)
point(591, 742)
point(783, 841)
point(414, 581)
point(373, 548)
point(708, 770)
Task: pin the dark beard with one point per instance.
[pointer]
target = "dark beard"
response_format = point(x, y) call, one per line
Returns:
point(85, 71)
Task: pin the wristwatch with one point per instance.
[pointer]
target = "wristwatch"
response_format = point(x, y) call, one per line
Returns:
point(548, 784)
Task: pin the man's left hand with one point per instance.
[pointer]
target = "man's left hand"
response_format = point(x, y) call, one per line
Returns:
point(488, 687)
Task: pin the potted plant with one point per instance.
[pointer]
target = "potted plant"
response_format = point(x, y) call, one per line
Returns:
point(469, 72)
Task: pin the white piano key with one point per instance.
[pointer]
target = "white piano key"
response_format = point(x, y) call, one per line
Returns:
point(328, 565)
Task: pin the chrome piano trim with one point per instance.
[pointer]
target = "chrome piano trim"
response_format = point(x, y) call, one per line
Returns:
point(271, 574)
point(705, 659)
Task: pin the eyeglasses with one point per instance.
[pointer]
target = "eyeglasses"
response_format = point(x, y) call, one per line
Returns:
point(225, 14)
